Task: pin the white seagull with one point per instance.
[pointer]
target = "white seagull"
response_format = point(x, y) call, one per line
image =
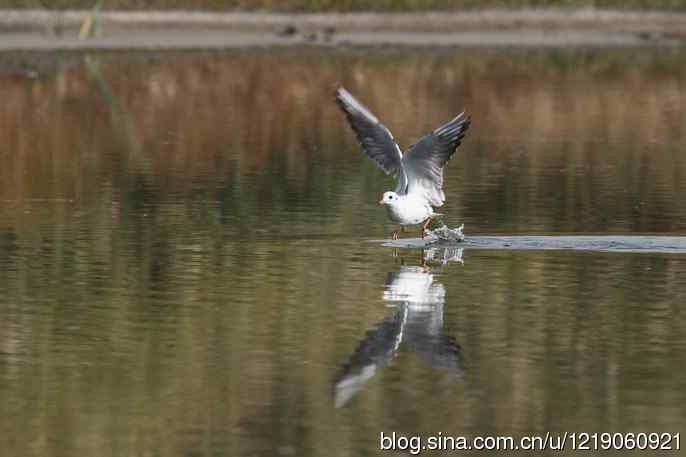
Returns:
point(417, 324)
point(418, 172)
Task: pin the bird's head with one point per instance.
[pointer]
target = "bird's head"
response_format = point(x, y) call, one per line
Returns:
point(389, 198)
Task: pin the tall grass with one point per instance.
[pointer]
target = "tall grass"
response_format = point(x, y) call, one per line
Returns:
point(193, 117)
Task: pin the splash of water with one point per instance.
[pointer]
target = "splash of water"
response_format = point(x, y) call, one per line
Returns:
point(445, 233)
point(444, 255)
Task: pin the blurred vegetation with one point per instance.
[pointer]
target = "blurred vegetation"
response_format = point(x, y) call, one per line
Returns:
point(346, 5)
point(589, 124)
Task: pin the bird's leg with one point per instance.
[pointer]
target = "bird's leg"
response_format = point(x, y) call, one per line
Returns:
point(396, 233)
point(426, 224)
point(422, 258)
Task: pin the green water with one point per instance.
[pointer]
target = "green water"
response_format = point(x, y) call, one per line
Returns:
point(185, 267)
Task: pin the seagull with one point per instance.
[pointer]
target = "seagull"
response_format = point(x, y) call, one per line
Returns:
point(417, 324)
point(418, 172)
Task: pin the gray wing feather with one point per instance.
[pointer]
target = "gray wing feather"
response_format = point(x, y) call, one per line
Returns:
point(423, 162)
point(376, 140)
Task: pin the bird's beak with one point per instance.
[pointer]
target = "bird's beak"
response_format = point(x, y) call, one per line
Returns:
point(380, 202)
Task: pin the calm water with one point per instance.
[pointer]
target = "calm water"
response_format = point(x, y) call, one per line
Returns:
point(185, 265)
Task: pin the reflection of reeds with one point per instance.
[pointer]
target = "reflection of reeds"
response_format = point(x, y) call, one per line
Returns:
point(122, 124)
point(172, 338)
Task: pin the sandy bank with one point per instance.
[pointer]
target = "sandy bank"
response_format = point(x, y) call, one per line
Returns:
point(46, 30)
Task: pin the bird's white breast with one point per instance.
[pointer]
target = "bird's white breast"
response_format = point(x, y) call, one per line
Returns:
point(409, 210)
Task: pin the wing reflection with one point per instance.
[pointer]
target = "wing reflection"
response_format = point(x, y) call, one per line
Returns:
point(417, 322)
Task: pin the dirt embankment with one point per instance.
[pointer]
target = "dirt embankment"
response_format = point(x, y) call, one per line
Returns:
point(49, 30)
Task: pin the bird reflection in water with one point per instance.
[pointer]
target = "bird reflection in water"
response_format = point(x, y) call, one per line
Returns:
point(417, 323)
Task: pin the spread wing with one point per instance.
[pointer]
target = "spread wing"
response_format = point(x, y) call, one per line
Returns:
point(374, 352)
point(424, 334)
point(376, 140)
point(423, 162)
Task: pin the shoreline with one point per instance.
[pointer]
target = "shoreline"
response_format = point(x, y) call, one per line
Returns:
point(25, 30)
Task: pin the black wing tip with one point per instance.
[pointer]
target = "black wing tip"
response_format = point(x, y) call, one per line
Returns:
point(339, 96)
point(467, 119)
point(455, 128)
point(463, 120)
point(465, 123)
point(345, 99)
point(353, 108)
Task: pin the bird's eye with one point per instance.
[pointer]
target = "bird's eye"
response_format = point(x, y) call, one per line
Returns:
point(390, 197)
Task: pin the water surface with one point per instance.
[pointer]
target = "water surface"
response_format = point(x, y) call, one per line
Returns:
point(186, 267)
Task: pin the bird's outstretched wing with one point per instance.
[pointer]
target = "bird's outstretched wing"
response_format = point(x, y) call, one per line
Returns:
point(374, 352)
point(423, 162)
point(376, 140)
point(425, 335)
